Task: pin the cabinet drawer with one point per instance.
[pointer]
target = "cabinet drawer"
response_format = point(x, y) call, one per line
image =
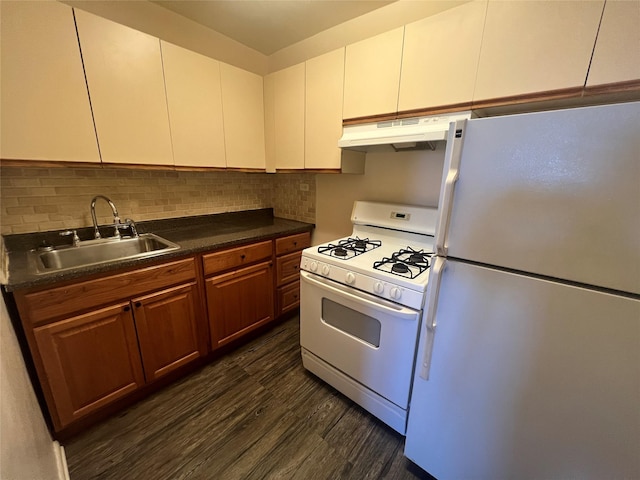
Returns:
point(292, 243)
point(236, 257)
point(288, 268)
point(39, 307)
point(288, 297)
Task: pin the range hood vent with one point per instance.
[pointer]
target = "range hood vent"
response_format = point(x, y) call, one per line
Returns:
point(404, 134)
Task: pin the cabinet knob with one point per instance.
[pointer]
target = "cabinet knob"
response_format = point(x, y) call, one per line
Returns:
point(242, 256)
point(138, 304)
point(127, 308)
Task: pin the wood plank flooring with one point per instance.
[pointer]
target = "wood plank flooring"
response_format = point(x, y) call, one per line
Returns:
point(255, 413)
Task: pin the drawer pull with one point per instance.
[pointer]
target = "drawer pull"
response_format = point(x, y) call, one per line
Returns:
point(242, 256)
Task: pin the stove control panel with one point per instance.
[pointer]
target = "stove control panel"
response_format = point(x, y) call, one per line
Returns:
point(375, 286)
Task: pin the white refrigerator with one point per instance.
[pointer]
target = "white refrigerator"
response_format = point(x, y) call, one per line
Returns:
point(529, 353)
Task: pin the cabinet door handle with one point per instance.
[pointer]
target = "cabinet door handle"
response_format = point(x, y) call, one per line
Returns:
point(138, 304)
point(127, 308)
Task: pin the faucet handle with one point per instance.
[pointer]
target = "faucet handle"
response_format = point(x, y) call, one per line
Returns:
point(132, 225)
point(76, 239)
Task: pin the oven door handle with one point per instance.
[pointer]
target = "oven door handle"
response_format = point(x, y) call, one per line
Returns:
point(376, 303)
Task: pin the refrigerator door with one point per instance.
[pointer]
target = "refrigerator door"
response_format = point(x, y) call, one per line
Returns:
point(553, 193)
point(528, 379)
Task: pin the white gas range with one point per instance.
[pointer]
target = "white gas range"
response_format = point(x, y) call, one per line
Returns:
point(361, 305)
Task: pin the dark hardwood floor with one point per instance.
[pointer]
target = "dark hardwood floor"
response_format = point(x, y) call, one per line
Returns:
point(254, 413)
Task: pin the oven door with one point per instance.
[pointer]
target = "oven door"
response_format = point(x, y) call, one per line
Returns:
point(369, 339)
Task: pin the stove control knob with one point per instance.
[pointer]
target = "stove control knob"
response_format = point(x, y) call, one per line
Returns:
point(313, 266)
point(378, 287)
point(351, 278)
point(325, 270)
point(395, 293)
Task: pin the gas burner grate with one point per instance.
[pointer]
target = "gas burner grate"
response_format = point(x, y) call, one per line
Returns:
point(408, 263)
point(349, 247)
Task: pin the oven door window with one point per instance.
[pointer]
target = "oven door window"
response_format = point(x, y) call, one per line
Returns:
point(354, 323)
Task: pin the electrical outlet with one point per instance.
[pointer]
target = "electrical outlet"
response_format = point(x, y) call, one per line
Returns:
point(304, 187)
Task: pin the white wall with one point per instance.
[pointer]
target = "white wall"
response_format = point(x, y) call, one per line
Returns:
point(406, 177)
point(26, 449)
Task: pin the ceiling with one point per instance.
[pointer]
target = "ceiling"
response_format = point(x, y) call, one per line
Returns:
point(270, 25)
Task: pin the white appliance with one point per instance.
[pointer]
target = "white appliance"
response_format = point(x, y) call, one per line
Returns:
point(529, 357)
point(401, 134)
point(361, 301)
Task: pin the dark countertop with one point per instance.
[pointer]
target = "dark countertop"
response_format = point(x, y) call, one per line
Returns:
point(193, 235)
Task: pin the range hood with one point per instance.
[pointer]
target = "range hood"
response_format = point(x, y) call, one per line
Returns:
point(402, 134)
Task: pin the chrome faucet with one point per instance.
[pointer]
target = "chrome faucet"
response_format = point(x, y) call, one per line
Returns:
point(116, 218)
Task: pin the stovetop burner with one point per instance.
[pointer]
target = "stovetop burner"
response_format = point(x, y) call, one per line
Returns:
point(399, 268)
point(348, 248)
point(408, 263)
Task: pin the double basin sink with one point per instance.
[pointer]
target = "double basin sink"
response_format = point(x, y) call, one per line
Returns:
point(94, 252)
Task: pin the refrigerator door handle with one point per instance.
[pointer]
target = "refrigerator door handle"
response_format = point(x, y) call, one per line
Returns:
point(449, 179)
point(437, 269)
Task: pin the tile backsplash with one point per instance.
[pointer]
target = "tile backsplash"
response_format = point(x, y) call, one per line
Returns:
point(36, 199)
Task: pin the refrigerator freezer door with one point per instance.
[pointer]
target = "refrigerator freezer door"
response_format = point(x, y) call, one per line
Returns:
point(554, 193)
point(528, 379)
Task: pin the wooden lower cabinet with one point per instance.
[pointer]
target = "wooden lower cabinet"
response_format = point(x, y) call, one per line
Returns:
point(168, 331)
point(288, 253)
point(99, 340)
point(288, 297)
point(239, 301)
point(90, 360)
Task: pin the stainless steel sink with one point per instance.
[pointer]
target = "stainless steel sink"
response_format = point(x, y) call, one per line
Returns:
point(93, 252)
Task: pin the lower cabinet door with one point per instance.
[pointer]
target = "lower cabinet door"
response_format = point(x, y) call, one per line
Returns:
point(239, 301)
point(89, 361)
point(167, 324)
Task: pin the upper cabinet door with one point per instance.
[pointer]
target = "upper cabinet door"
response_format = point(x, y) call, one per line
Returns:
point(126, 86)
point(194, 99)
point(439, 68)
point(286, 89)
point(243, 113)
point(372, 75)
point(535, 47)
point(45, 112)
point(323, 114)
point(616, 57)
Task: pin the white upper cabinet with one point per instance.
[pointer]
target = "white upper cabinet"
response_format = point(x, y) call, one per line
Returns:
point(616, 57)
point(535, 46)
point(243, 113)
point(45, 111)
point(194, 99)
point(372, 75)
point(126, 86)
point(323, 114)
point(285, 106)
point(440, 58)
